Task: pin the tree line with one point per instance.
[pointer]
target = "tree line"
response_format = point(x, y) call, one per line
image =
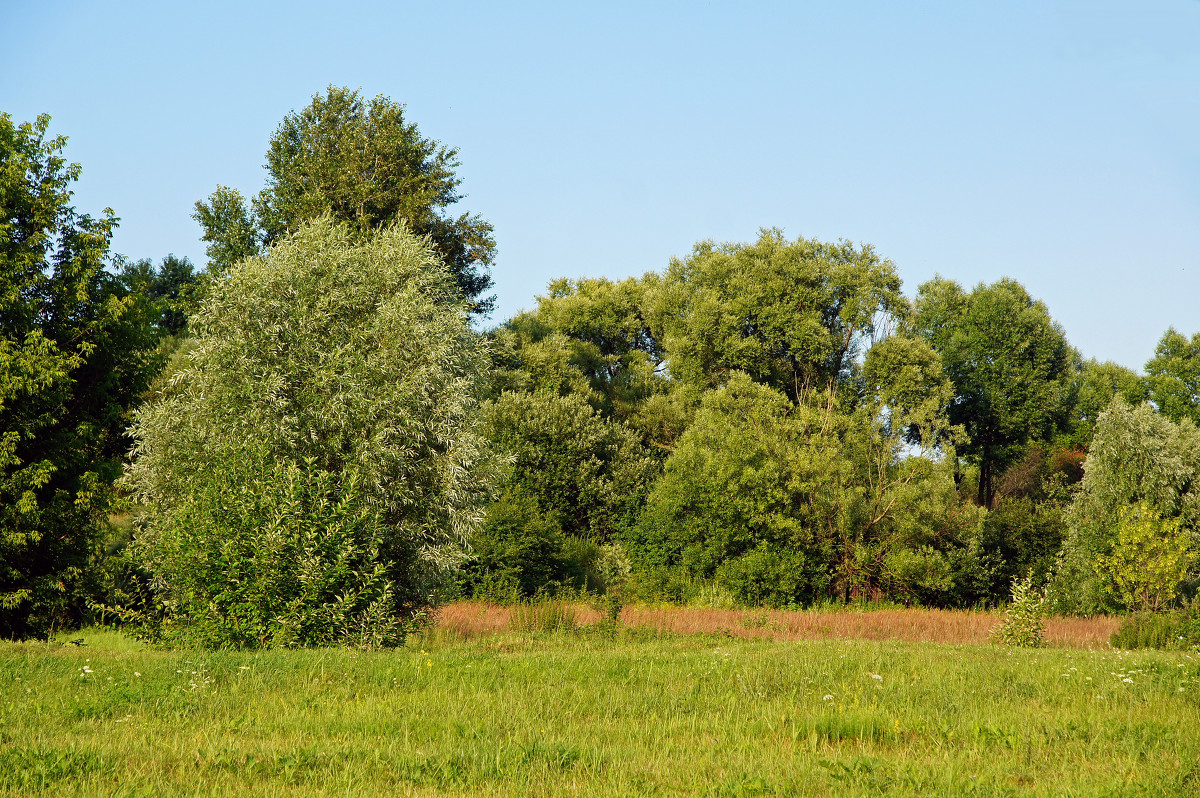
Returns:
point(308, 441)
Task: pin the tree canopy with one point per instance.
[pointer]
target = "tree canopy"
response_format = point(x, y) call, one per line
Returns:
point(76, 351)
point(366, 165)
point(333, 382)
point(1173, 376)
point(1009, 364)
point(791, 314)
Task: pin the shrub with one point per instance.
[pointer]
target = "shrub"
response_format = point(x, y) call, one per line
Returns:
point(1176, 629)
point(293, 561)
point(517, 552)
point(765, 575)
point(1150, 557)
point(1022, 624)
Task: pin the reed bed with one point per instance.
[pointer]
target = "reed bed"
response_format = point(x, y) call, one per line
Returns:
point(469, 620)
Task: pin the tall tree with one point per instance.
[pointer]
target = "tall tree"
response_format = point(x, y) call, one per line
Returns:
point(74, 357)
point(791, 314)
point(320, 454)
point(365, 164)
point(1009, 364)
point(1173, 376)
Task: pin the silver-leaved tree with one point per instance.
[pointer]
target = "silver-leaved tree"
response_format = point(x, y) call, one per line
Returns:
point(317, 459)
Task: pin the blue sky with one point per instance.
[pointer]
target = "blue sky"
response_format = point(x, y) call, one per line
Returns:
point(1053, 142)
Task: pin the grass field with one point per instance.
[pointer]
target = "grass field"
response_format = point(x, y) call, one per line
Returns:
point(635, 712)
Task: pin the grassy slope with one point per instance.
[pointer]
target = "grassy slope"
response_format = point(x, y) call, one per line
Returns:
point(587, 715)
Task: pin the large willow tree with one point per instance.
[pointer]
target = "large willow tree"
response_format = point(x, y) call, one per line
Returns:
point(318, 456)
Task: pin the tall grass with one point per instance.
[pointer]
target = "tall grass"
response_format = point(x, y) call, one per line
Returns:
point(543, 615)
point(467, 620)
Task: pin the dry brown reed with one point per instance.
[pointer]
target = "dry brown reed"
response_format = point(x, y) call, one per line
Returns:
point(475, 619)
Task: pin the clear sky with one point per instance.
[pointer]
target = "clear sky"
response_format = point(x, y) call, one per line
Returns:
point(1057, 143)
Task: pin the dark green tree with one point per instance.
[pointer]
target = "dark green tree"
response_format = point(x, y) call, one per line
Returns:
point(365, 164)
point(1173, 376)
point(170, 287)
point(75, 356)
point(1009, 363)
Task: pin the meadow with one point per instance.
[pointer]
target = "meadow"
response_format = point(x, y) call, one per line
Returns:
point(476, 708)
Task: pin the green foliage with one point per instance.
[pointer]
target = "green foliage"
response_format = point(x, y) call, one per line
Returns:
point(904, 375)
point(1023, 624)
point(1148, 560)
point(366, 165)
point(1009, 364)
point(755, 472)
point(270, 553)
point(1172, 630)
point(75, 355)
point(1173, 376)
point(171, 288)
point(1138, 458)
point(1021, 535)
point(351, 362)
point(230, 228)
point(1095, 385)
point(792, 315)
point(764, 576)
point(518, 552)
point(587, 336)
point(588, 475)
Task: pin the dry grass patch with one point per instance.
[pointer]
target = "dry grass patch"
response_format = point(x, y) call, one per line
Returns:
point(468, 620)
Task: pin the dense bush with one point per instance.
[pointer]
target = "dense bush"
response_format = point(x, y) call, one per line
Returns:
point(587, 475)
point(764, 576)
point(518, 552)
point(269, 553)
point(1176, 629)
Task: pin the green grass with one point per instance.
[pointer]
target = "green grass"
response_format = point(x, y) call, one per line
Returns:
point(588, 714)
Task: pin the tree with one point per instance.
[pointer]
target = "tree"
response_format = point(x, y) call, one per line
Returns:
point(367, 166)
point(75, 355)
point(588, 475)
point(1009, 364)
point(1095, 385)
point(1141, 479)
point(319, 459)
point(170, 287)
point(792, 315)
point(592, 338)
point(760, 486)
point(230, 228)
point(1149, 559)
point(1173, 376)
